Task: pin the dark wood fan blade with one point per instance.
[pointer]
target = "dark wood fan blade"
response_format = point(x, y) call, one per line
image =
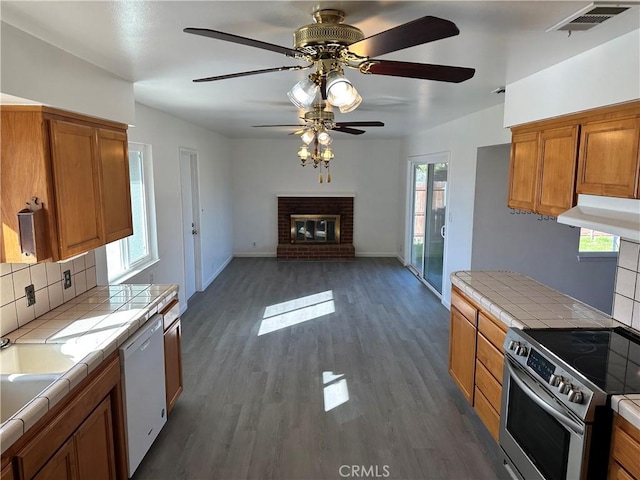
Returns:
point(228, 37)
point(423, 30)
point(352, 131)
point(360, 124)
point(261, 126)
point(251, 72)
point(424, 71)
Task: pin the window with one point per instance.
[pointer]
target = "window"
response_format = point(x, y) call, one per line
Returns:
point(129, 256)
point(597, 246)
point(594, 241)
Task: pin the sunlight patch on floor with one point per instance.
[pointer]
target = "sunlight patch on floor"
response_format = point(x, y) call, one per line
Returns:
point(299, 310)
point(335, 390)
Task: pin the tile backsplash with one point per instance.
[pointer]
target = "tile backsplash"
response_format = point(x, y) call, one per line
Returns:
point(48, 282)
point(626, 299)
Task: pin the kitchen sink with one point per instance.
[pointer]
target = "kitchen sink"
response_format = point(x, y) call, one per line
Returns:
point(16, 390)
point(26, 370)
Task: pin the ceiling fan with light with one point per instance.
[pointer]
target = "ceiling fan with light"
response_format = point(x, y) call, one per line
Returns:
point(328, 45)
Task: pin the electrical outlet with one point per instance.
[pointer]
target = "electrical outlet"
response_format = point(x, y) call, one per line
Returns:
point(67, 279)
point(30, 293)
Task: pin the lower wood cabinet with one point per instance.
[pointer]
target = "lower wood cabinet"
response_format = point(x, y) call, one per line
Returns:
point(93, 442)
point(63, 465)
point(173, 363)
point(172, 352)
point(82, 438)
point(462, 353)
point(476, 358)
point(624, 463)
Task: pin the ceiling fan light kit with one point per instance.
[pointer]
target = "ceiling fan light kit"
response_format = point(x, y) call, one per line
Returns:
point(328, 45)
point(303, 93)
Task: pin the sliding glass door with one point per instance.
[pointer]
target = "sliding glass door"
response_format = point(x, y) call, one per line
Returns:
point(429, 187)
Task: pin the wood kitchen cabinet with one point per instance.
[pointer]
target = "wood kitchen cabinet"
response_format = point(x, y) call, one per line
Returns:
point(77, 167)
point(172, 353)
point(7, 473)
point(594, 152)
point(476, 358)
point(462, 344)
point(81, 438)
point(522, 176)
point(62, 466)
point(624, 462)
point(609, 161)
point(543, 170)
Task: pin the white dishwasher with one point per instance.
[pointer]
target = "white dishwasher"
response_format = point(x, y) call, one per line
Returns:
point(142, 360)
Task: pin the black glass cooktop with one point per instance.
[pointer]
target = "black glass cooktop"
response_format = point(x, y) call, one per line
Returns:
point(610, 358)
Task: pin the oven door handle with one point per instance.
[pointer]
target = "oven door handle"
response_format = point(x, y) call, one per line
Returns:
point(551, 410)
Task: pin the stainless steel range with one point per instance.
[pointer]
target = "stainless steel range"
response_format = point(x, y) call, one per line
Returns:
point(555, 419)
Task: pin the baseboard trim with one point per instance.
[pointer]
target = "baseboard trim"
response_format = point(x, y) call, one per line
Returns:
point(254, 254)
point(216, 273)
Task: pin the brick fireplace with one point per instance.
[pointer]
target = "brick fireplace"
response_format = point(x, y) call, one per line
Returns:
point(303, 205)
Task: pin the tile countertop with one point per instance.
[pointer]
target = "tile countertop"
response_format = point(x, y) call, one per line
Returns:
point(521, 302)
point(91, 327)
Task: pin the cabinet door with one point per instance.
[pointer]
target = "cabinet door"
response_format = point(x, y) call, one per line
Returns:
point(61, 466)
point(173, 364)
point(462, 353)
point(608, 161)
point(557, 170)
point(116, 193)
point(7, 473)
point(522, 176)
point(94, 445)
point(76, 176)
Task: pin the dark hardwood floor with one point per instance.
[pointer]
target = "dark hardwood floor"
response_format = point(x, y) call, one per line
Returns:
point(254, 405)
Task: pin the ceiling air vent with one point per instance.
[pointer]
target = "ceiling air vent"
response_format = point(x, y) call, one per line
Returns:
point(591, 16)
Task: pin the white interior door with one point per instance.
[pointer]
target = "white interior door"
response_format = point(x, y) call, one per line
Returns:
point(190, 220)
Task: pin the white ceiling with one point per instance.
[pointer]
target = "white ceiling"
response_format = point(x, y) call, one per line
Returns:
point(143, 42)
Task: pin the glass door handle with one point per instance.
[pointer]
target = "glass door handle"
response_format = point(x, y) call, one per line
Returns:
point(442, 231)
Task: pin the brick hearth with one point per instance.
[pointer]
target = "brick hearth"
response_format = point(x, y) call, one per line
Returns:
point(342, 206)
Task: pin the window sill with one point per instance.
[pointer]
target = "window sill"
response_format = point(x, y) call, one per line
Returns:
point(597, 257)
point(133, 272)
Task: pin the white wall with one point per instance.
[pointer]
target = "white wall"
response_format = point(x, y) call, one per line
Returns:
point(166, 134)
point(530, 244)
point(461, 138)
point(605, 75)
point(38, 71)
point(365, 167)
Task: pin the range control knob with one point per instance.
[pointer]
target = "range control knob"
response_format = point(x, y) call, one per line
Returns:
point(522, 351)
point(575, 396)
point(513, 345)
point(565, 387)
point(554, 380)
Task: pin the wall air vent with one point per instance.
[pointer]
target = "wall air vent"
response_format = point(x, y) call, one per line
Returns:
point(591, 16)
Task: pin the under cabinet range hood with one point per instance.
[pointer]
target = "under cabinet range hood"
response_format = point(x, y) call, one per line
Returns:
point(617, 216)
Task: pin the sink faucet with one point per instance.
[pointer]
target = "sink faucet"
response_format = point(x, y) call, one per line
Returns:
point(4, 342)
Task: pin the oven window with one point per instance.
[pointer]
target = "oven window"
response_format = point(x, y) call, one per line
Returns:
point(539, 435)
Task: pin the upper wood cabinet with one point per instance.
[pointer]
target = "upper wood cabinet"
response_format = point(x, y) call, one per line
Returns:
point(609, 162)
point(556, 175)
point(77, 167)
point(595, 152)
point(522, 177)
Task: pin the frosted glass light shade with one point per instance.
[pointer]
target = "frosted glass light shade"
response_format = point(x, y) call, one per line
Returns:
point(353, 105)
point(340, 91)
point(304, 153)
point(303, 93)
point(308, 136)
point(324, 138)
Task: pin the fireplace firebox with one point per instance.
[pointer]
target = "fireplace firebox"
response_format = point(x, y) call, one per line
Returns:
point(315, 229)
